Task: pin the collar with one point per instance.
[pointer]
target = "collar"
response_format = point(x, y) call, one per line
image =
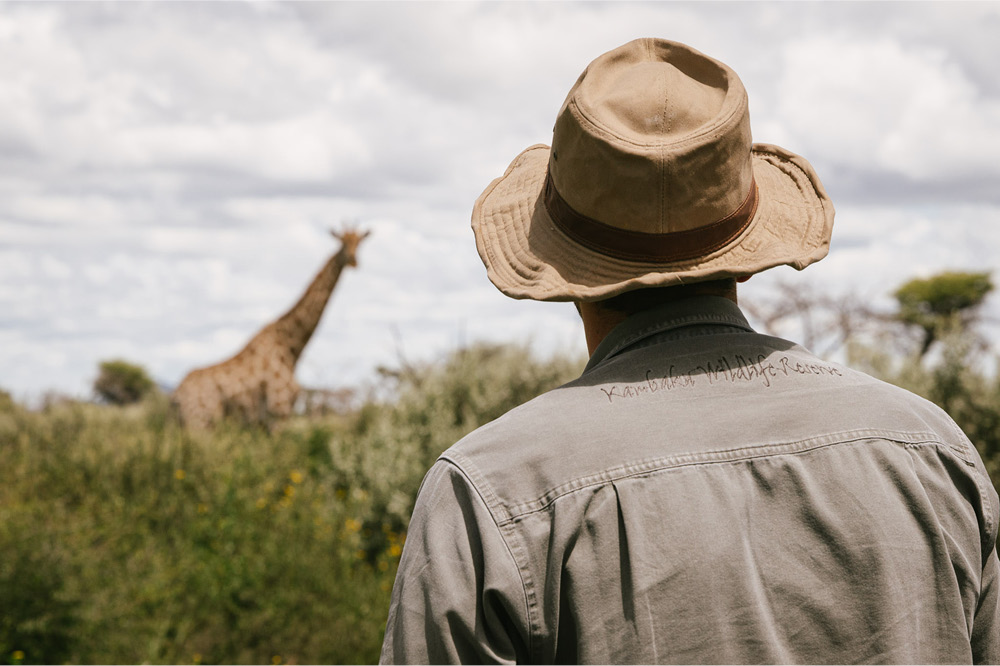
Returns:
point(696, 311)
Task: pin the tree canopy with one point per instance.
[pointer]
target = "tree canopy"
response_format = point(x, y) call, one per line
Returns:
point(122, 383)
point(946, 299)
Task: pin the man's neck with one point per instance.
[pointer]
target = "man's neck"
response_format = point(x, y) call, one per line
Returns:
point(599, 321)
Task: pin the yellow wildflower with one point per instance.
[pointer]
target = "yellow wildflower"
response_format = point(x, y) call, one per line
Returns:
point(202, 508)
point(276, 659)
point(395, 550)
point(295, 476)
point(196, 658)
point(352, 525)
point(289, 491)
point(179, 474)
point(18, 655)
point(261, 503)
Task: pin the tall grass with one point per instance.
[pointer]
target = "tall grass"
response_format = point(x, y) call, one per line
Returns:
point(126, 539)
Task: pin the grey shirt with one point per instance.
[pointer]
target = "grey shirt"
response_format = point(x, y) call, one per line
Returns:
point(704, 493)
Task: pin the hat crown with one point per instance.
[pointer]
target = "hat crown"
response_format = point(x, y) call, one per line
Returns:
point(654, 137)
point(651, 101)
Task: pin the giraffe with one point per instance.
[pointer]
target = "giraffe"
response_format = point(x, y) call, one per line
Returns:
point(258, 385)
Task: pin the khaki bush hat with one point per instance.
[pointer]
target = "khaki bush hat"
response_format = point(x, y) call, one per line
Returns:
point(652, 180)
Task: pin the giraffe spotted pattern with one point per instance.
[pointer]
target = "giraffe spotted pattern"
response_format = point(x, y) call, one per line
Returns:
point(257, 385)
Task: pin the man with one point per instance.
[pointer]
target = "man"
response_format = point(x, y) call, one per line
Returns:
point(702, 493)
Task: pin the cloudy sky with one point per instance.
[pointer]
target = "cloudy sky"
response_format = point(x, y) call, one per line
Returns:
point(169, 171)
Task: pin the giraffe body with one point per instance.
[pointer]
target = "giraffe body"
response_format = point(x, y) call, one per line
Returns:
point(257, 385)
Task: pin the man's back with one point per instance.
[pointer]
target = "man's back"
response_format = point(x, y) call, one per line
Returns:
point(701, 493)
point(704, 494)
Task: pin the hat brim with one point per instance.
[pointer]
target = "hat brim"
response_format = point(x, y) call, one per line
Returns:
point(527, 256)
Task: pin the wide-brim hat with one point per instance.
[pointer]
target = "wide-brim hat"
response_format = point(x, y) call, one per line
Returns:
point(652, 180)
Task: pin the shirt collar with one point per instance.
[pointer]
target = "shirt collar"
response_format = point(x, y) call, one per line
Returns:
point(696, 311)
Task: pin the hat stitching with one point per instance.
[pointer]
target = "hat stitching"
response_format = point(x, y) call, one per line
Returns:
point(605, 132)
point(810, 230)
point(696, 134)
point(614, 263)
point(661, 166)
point(583, 235)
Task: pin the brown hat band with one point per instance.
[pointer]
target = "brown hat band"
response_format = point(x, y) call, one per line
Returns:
point(641, 246)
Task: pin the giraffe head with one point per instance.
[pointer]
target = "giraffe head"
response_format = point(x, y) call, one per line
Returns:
point(349, 239)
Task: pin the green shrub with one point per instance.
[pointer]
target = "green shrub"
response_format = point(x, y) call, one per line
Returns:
point(122, 383)
point(125, 539)
point(37, 619)
point(390, 446)
point(7, 403)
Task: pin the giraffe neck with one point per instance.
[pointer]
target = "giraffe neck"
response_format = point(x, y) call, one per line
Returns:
point(295, 327)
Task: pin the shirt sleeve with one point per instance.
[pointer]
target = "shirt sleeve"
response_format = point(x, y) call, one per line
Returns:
point(986, 624)
point(458, 596)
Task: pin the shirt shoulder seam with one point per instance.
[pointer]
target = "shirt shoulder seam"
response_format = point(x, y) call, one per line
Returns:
point(504, 526)
point(652, 465)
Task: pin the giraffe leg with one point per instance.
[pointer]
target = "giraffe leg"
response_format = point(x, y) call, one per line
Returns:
point(282, 391)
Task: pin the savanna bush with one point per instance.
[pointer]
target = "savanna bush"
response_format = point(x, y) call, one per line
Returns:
point(125, 539)
point(388, 448)
point(122, 383)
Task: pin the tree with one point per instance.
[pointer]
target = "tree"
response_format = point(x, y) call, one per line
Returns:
point(122, 383)
point(822, 322)
point(943, 301)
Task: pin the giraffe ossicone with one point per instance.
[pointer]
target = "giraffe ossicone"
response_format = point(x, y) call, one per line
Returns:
point(257, 385)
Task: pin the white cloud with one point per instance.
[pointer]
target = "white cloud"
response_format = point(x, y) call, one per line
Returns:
point(55, 269)
point(38, 68)
point(875, 249)
point(186, 94)
point(86, 210)
point(169, 170)
point(881, 105)
point(307, 148)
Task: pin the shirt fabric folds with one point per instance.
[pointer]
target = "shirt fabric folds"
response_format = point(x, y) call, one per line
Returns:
point(704, 494)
